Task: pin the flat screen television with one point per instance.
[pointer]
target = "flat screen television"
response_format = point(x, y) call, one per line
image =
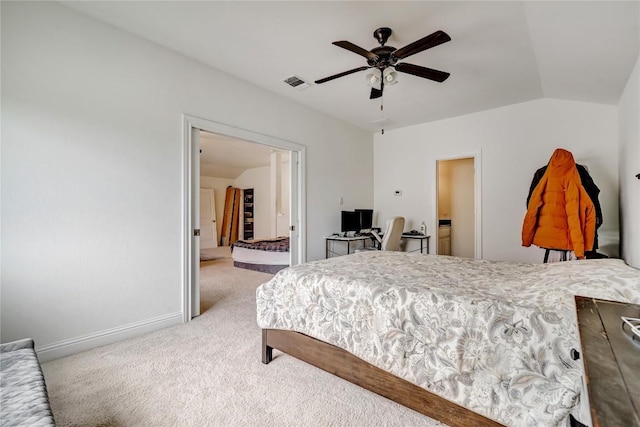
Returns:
point(366, 218)
point(350, 221)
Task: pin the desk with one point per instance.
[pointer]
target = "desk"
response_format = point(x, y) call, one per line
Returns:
point(611, 361)
point(420, 237)
point(348, 240)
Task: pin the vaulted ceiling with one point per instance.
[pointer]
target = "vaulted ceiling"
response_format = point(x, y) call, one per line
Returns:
point(223, 156)
point(501, 52)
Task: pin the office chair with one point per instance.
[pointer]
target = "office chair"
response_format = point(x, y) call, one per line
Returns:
point(390, 241)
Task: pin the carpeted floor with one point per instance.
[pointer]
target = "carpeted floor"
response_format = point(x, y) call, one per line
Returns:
point(211, 254)
point(208, 373)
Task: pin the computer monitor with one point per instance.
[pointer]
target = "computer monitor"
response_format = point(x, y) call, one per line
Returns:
point(350, 221)
point(366, 218)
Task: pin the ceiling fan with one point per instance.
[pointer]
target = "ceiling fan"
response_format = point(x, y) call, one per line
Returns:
point(384, 57)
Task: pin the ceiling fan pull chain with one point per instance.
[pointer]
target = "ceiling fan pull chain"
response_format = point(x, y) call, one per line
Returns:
point(382, 113)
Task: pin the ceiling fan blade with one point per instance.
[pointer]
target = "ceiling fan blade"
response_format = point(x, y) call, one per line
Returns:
point(344, 73)
point(427, 73)
point(357, 49)
point(376, 93)
point(424, 43)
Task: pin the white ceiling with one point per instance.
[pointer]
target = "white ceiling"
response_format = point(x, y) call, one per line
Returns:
point(222, 156)
point(501, 52)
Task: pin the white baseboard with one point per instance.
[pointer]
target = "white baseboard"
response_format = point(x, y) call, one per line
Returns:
point(87, 342)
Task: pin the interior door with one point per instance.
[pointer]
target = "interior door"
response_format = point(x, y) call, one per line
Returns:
point(208, 232)
point(194, 224)
point(462, 231)
point(458, 206)
point(294, 232)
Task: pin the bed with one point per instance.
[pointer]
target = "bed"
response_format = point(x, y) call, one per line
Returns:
point(265, 255)
point(463, 341)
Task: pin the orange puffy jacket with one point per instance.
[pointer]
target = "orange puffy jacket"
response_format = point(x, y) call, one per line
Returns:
point(560, 214)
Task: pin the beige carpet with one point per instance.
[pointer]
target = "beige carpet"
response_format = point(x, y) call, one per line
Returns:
point(209, 373)
point(211, 254)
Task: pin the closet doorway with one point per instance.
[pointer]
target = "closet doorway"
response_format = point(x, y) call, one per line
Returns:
point(458, 207)
point(193, 129)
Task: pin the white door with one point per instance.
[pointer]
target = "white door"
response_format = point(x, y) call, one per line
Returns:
point(458, 198)
point(208, 231)
point(194, 224)
point(294, 233)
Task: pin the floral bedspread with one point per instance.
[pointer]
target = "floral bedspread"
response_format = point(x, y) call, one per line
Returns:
point(495, 337)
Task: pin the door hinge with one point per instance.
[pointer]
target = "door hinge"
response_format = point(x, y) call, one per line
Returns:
point(292, 227)
point(196, 232)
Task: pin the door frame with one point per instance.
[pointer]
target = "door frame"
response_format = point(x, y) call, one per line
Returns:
point(477, 191)
point(190, 200)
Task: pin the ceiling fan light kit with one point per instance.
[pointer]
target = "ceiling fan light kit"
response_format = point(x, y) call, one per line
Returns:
point(377, 79)
point(390, 77)
point(374, 80)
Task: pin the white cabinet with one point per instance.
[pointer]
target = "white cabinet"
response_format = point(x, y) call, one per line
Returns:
point(444, 240)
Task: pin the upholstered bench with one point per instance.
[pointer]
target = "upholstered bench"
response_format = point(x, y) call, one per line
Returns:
point(23, 393)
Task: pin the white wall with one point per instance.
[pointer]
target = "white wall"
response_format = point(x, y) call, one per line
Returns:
point(260, 180)
point(92, 173)
point(219, 186)
point(629, 116)
point(513, 142)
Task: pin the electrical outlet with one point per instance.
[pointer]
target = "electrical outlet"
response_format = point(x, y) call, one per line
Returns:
point(340, 200)
point(397, 193)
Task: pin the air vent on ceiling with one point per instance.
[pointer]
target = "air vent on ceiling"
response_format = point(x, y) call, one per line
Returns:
point(296, 82)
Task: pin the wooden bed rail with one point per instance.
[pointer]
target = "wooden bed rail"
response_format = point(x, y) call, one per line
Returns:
point(355, 370)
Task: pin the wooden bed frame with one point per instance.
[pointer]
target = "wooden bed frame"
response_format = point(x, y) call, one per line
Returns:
point(345, 365)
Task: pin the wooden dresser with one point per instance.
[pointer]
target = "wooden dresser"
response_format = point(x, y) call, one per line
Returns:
point(611, 360)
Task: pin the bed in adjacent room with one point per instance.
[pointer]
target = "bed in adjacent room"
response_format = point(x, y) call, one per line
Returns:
point(265, 255)
point(461, 340)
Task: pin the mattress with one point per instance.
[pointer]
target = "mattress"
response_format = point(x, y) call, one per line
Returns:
point(255, 256)
point(494, 337)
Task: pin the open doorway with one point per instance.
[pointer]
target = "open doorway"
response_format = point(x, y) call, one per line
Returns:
point(260, 172)
point(244, 199)
point(193, 131)
point(458, 207)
